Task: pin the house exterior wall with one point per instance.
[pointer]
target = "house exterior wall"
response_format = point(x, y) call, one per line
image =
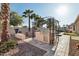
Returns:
point(71, 28)
point(0, 11)
point(77, 27)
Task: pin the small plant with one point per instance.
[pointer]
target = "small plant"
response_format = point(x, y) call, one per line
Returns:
point(6, 46)
point(72, 34)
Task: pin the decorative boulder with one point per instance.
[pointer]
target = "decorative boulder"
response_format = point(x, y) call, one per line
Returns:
point(20, 36)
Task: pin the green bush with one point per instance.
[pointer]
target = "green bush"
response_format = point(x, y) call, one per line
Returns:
point(6, 46)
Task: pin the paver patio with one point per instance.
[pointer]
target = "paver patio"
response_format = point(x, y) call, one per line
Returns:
point(41, 45)
point(26, 49)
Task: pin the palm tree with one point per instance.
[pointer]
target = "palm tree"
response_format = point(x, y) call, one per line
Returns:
point(50, 26)
point(5, 14)
point(0, 15)
point(0, 21)
point(38, 21)
point(28, 13)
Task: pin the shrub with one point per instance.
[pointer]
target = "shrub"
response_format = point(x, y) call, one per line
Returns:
point(72, 34)
point(6, 46)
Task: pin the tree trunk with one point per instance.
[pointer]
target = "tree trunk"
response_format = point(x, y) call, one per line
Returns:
point(5, 21)
point(29, 24)
point(53, 33)
point(50, 35)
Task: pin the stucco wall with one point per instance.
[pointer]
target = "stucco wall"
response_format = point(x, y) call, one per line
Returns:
point(77, 27)
point(44, 37)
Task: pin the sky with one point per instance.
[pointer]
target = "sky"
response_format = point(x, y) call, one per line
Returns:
point(64, 13)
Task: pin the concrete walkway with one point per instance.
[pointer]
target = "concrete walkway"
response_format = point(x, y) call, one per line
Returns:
point(63, 46)
point(41, 45)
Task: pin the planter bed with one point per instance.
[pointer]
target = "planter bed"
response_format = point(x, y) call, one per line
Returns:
point(73, 51)
point(11, 52)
